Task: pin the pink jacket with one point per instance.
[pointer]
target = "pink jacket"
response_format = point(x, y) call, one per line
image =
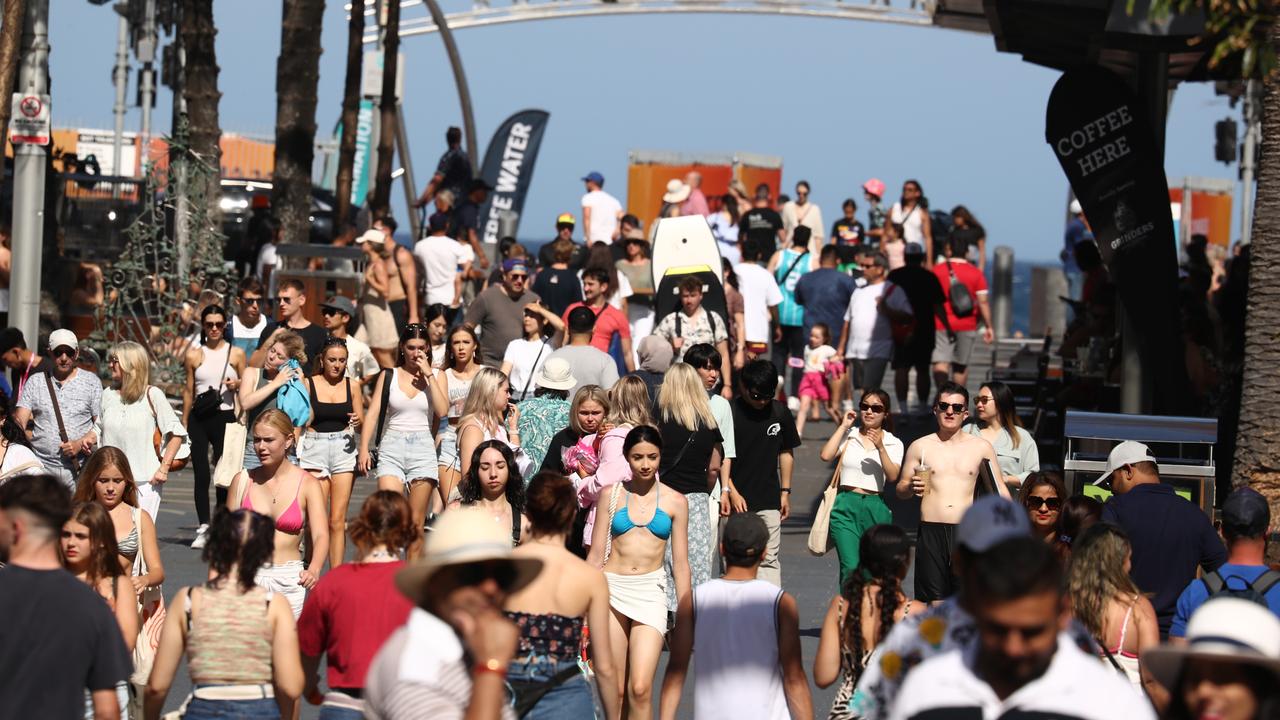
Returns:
point(613, 469)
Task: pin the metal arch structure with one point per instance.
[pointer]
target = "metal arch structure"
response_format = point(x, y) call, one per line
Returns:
point(484, 13)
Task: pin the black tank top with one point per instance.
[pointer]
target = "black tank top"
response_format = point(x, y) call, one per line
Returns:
point(330, 417)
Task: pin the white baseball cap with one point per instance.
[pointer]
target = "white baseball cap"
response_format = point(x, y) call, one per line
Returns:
point(990, 521)
point(371, 236)
point(1126, 453)
point(1075, 207)
point(63, 337)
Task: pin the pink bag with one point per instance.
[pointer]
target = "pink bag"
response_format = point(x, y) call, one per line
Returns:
point(582, 456)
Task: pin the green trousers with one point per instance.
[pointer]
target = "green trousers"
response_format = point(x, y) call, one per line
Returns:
point(852, 514)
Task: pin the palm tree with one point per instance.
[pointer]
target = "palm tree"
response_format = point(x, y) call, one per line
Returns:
point(350, 111)
point(201, 89)
point(387, 137)
point(10, 40)
point(297, 75)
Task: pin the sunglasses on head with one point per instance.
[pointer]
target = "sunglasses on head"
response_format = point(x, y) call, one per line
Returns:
point(1034, 502)
point(956, 408)
point(867, 407)
point(335, 342)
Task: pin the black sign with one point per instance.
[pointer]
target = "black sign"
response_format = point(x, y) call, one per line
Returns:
point(1103, 139)
point(508, 168)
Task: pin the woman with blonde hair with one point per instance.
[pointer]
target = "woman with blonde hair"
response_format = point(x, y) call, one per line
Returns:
point(88, 551)
point(214, 369)
point(628, 409)
point(268, 488)
point(107, 480)
point(260, 387)
point(407, 400)
point(586, 413)
point(240, 641)
point(132, 410)
point(693, 444)
point(1108, 603)
point(487, 415)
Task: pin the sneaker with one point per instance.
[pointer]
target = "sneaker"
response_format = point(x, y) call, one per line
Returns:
point(202, 537)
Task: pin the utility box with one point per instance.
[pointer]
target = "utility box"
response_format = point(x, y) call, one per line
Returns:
point(1183, 447)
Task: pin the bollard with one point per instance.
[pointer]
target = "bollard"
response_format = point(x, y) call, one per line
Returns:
point(1002, 291)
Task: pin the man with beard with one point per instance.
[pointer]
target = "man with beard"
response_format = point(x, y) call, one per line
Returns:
point(1020, 662)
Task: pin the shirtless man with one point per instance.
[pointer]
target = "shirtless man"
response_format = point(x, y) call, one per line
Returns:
point(953, 459)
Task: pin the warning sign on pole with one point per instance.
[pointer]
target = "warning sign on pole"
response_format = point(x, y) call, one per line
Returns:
point(29, 119)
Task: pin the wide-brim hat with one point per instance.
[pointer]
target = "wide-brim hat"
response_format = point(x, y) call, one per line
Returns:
point(677, 191)
point(556, 374)
point(464, 536)
point(1226, 629)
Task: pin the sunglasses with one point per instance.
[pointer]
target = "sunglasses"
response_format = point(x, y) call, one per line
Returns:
point(867, 407)
point(215, 325)
point(504, 574)
point(956, 408)
point(982, 400)
point(64, 352)
point(251, 301)
point(517, 276)
point(1034, 502)
point(283, 300)
point(328, 311)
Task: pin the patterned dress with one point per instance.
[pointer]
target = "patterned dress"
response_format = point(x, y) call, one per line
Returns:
point(540, 419)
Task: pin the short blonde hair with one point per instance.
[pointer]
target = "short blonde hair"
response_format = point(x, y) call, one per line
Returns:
point(135, 370)
point(683, 399)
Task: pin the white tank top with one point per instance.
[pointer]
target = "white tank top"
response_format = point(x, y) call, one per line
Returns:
point(912, 222)
point(210, 373)
point(407, 414)
point(735, 650)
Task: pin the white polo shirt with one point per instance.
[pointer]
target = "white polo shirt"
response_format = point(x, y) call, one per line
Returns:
point(1075, 685)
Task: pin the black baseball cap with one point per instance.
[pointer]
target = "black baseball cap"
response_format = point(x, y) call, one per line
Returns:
point(745, 539)
point(1245, 513)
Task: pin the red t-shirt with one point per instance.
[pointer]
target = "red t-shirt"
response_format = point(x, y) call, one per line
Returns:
point(971, 277)
point(348, 615)
point(610, 320)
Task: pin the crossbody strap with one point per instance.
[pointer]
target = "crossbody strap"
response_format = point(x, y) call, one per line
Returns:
point(532, 370)
point(57, 414)
point(787, 274)
point(388, 377)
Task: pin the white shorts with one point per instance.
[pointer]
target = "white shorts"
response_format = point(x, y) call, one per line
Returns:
point(284, 579)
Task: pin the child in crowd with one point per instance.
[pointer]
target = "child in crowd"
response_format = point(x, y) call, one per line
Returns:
point(818, 364)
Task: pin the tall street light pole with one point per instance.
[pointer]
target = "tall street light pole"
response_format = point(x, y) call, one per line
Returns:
point(28, 181)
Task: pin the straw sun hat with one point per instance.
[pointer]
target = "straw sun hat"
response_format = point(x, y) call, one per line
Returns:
point(464, 536)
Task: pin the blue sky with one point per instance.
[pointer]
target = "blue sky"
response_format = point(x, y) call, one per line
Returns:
point(839, 101)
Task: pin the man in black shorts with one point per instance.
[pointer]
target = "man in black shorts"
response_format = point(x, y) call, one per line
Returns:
point(916, 349)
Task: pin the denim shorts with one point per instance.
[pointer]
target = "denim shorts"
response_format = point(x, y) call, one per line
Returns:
point(408, 456)
point(328, 454)
point(449, 448)
point(330, 712)
point(570, 699)
point(260, 709)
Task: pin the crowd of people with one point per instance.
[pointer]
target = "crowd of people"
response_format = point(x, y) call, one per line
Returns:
point(556, 505)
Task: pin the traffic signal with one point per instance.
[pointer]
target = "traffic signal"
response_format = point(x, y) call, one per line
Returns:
point(1224, 150)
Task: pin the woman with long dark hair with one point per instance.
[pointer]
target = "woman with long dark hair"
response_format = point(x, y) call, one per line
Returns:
point(355, 607)
point(214, 370)
point(437, 322)
point(493, 483)
point(240, 641)
point(1079, 513)
point(638, 520)
point(998, 424)
point(460, 370)
point(910, 213)
point(724, 226)
point(965, 226)
point(1042, 495)
point(870, 456)
point(861, 616)
point(524, 356)
point(406, 451)
point(1108, 603)
point(328, 448)
point(552, 610)
point(269, 487)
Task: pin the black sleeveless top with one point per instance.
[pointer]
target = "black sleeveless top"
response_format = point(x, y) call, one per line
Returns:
point(330, 417)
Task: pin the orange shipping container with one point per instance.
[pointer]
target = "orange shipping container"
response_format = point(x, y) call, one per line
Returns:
point(649, 171)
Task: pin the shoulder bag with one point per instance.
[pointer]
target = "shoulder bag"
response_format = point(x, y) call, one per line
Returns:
point(958, 294)
point(157, 440)
point(783, 280)
point(234, 436)
point(986, 481)
point(206, 404)
point(62, 428)
point(388, 377)
point(820, 533)
point(151, 614)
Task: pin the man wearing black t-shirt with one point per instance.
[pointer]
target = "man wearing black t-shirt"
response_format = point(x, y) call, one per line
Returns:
point(292, 299)
point(762, 223)
point(453, 172)
point(557, 284)
point(58, 637)
point(924, 292)
point(764, 432)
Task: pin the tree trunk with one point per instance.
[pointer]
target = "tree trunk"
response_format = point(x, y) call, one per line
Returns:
point(350, 112)
point(387, 137)
point(297, 75)
point(1257, 457)
point(201, 90)
point(10, 44)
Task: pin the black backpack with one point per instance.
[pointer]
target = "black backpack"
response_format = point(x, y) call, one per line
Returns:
point(1255, 591)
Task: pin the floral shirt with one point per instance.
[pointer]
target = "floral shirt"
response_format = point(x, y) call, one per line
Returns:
point(540, 419)
point(705, 326)
point(916, 639)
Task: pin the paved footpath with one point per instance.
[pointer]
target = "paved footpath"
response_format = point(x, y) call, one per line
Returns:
point(811, 579)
